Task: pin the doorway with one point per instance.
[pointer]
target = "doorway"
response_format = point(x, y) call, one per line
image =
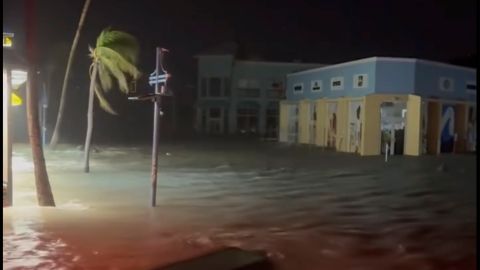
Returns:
point(392, 127)
point(447, 129)
point(312, 123)
point(355, 126)
point(331, 133)
point(292, 123)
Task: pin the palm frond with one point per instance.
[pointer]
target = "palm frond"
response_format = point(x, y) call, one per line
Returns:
point(117, 73)
point(103, 101)
point(122, 42)
point(104, 77)
point(118, 66)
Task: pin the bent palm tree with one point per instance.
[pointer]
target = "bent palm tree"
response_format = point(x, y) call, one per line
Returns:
point(114, 57)
point(61, 107)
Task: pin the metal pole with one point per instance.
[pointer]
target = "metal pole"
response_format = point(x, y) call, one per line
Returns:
point(44, 114)
point(156, 114)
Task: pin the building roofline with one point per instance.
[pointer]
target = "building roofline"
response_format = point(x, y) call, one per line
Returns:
point(277, 63)
point(389, 59)
point(212, 55)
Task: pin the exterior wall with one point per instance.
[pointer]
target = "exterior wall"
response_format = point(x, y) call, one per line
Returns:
point(427, 81)
point(303, 122)
point(413, 127)
point(325, 74)
point(394, 77)
point(231, 72)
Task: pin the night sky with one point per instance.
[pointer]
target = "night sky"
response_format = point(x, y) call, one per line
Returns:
point(310, 31)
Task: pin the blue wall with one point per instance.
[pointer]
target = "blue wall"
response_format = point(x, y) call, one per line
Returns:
point(395, 77)
point(325, 75)
point(385, 76)
point(427, 81)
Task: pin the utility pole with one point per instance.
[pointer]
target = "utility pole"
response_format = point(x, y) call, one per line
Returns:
point(160, 82)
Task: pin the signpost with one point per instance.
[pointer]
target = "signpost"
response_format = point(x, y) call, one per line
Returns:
point(158, 78)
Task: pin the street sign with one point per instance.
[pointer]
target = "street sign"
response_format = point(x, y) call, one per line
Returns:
point(152, 82)
point(7, 40)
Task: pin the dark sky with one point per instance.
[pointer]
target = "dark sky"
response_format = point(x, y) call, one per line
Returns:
point(313, 31)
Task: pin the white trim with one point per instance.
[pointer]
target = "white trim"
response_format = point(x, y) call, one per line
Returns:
point(295, 85)
point(441, 81)
point(365, 81)
point(469, 91)
point(337, 88)
point(319, 83)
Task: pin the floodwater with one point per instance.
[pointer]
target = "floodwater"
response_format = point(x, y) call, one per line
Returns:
point(307, 208)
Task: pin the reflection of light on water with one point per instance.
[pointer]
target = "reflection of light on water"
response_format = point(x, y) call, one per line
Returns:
point(73, 205)
point(21, 164)
point(25, 246)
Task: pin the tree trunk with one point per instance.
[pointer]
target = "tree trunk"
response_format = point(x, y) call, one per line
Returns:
point(88, 138)
point(61, 108)
point(44, 192)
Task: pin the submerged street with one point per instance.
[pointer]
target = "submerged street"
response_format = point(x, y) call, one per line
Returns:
point(307, 208)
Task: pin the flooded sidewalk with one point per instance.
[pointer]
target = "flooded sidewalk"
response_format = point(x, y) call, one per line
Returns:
point(307, 208)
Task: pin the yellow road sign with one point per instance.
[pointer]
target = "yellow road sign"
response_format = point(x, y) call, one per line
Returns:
point(7, 40)
point(16, 100)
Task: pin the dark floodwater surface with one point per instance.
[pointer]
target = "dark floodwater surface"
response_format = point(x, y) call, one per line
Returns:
point(307, 208)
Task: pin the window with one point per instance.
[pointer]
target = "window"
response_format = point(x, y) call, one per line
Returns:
point(215, 87)
point(360, 81)
point(226, 87)
point(248, 83)
point(214, 113)
point(248, 92)
point(316, 86)
point(203, 88)
point(336, 83)
point(471, 87)
point(298, 88)
point(446, 84)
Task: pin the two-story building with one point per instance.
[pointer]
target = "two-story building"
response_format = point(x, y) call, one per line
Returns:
point(238, 96)
point(369, 106)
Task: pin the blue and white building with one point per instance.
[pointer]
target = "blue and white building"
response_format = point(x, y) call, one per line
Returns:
point(413, 105)
point(240, 97)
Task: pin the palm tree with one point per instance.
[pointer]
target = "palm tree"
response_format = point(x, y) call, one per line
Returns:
point(113, 57)
point(61, 107)
point(42, 184)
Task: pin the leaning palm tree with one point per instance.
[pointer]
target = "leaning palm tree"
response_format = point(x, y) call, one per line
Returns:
point(113, 58)
point(61, 107)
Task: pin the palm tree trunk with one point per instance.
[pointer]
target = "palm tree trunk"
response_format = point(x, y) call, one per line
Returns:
point(88, 138)
point(44, 191)
point(61, 108)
